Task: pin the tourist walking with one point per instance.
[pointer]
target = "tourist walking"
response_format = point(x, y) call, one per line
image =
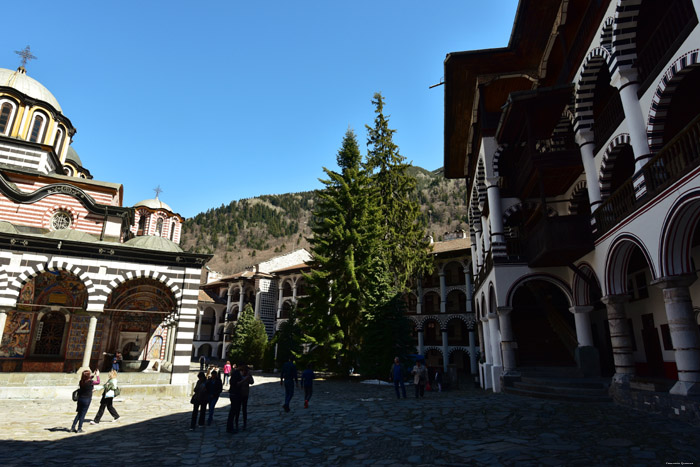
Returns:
point(420, 376)
point(307, 382)
point(117, 362)
point(244, 385)
point(111, 390)
point(200, 398)
point(214, 388)
point(234, 394)
point(289, 378)
point(396, 374)
point(227, 371)
point(85, 387)
point(202, 362)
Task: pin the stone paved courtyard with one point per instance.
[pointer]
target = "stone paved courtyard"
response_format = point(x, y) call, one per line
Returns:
point(349, 424)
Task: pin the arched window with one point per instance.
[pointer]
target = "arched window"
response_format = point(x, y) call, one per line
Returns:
point(142, 225)
point(58, 141)
point(37, 129)
point(49, 334)
point(6, 114)
point(68, 170)
point(159, 226)
point(172, 230)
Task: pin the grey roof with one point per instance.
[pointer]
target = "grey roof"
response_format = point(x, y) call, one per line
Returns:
point(151, 242)
point(72, 156)
point(8, 227)
point(154, 203)
point(70, 234)
point(28, 86)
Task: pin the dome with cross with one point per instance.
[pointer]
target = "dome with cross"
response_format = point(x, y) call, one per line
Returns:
point(28, 86)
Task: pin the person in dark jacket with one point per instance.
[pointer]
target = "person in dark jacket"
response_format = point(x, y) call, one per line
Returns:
point(288, 377)
point(214, 388)
point(234, 394)
point(396, 373)
point(244, 389)
point(85, 387)
point(200, 398)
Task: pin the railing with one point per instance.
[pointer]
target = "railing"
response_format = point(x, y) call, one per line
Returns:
point(607, 120)
point(676, 159)
point(670, 31)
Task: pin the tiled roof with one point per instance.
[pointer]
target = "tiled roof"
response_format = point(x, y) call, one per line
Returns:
point(451, 245)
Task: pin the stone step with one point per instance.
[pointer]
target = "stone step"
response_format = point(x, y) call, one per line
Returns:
point(562, 389)
point(557, 396)
point(136, 391)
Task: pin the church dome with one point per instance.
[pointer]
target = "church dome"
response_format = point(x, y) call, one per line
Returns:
point(153, 203)
point(152, 242)
point(72, 156)
point(29, 86)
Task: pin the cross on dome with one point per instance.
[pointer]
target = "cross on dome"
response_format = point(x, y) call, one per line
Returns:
point(158, 191)
point(26, 55)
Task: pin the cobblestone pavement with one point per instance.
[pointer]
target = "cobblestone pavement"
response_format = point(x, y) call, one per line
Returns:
point(348, 423)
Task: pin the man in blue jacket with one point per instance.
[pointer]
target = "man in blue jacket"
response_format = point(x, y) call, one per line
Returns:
point(289, 378)
point(397, 378)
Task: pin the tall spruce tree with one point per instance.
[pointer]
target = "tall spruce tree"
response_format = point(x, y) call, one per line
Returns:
point(348, 270)
point(249, 339)
point(404, 235)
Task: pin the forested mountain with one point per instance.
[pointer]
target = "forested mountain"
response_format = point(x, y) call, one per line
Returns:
point(252, 230)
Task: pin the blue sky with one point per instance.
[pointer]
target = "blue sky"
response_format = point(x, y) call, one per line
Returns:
point(221, 100)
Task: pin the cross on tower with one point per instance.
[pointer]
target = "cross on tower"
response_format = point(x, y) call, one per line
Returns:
point(158, 191)
point(26, 55)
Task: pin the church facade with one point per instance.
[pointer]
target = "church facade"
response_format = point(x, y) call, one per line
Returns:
point(81, 275)
point(579, 143)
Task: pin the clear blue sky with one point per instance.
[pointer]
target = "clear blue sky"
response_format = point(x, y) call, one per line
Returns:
point(221, 100)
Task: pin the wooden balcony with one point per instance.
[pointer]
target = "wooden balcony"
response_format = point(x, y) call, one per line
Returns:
point(677, 158)
point(607, 121)
point(558, 241)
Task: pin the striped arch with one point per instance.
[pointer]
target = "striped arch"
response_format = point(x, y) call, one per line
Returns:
point(624, 40)
point(147, 274)
point(608, 164)
point(606, 35)
point(5, 299)
point(661, 99)
point(617, 262)
point(464, 349)
point(585, 87)
point(496, 156)
point(462, 317)
point(576, 193)
point(527, 204)
point(581, 289)
point(554, 280)
point(425, 319)
point(14, 287)
point(481, 182)
point(677, 232)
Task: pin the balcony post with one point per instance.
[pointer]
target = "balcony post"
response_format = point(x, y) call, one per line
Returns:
point(625, 80)
point(620, 338)
point(488, 376)
point(508, 344)
point(586, 144)
point(587, 356)
point(493, 193)
point(684, 332)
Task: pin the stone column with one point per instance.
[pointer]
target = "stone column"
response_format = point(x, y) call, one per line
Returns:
point(684, 332)
point(472, 352)
point(468, 287)
point(474, 261)
point(587, 356)
point(495, 336)
point(200, 312)
point(620, 338)
point(586, 144)
point(92, 327)
point(488, 362)
point(257, 303)
point(444, 351)
point(508, 344)
point(479, 246)
point(419, 304)
point(280, 298)
point(485, 235)
point(215, 331)
point(294, 291)
point(420, 341)
point(168, 340)
point(443, 291)
point(493, 193)
point(3, 319)
point(240, 297)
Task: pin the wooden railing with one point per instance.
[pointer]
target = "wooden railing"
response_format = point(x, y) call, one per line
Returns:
point(607, 120)
point(615, 208)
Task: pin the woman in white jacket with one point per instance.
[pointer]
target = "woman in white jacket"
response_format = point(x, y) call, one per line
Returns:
point(110, 389)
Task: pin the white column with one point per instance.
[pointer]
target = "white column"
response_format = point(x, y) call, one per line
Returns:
point(241, 297)
point(479, 246)
point(92, 326)
point(625, 80)
point(294, 290)
point(444, 351)
point(620, 338)
point(586, 143)
point(420, 341)
point(488, 375)
point(24, 120)
point(498, 240)
point(684, 333)
point(280, 298)
point(257, 304)
point(215, 332)
point(474, 254)
point(3, 319)
point(472, 352)
point(419, 305)
point(200, 312)
point(582, 318)
point(508, 344)
point(495, 339)
point(169, 341)
point(470, 292)
point(485, 235)
point(443, 291)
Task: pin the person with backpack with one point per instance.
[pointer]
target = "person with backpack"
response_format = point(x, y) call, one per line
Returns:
point(111, 390)
point(200, 398)
point(214, 388)
point(83, 396)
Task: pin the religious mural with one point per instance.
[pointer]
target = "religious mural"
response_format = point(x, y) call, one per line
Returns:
point(15, 338)
point(53, 288)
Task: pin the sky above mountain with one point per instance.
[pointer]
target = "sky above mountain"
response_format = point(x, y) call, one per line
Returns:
point(221, 100)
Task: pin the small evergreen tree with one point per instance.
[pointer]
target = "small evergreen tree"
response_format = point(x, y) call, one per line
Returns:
point(249, 339)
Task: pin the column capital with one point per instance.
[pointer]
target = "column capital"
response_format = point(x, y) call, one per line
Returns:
point(624, 77)
point(484, 319)
point(581, 309)
point(493, 182)
point(504, 310)
point(615, 299)
point(492, 315)
point(675, 282)
point(6, 309)
point(583, 137)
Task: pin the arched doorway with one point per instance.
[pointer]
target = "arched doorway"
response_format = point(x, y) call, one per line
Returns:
point(460, 359)
point(542, 324)
point(433, 358)
point(431, 333)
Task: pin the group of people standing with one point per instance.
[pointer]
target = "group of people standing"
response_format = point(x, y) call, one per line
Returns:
point(83, 395)
point(420, 378)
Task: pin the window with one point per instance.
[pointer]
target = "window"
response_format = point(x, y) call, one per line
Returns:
point(58, 141)
point(159, 226)
point(49, 335)
point(142, 225)
point(36, 133)
point(60, 221)
point(172, 230)
point(6, 111)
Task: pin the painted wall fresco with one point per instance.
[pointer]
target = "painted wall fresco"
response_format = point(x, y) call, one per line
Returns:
point(78, 336)
point(15, 338)
point(59, 288)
